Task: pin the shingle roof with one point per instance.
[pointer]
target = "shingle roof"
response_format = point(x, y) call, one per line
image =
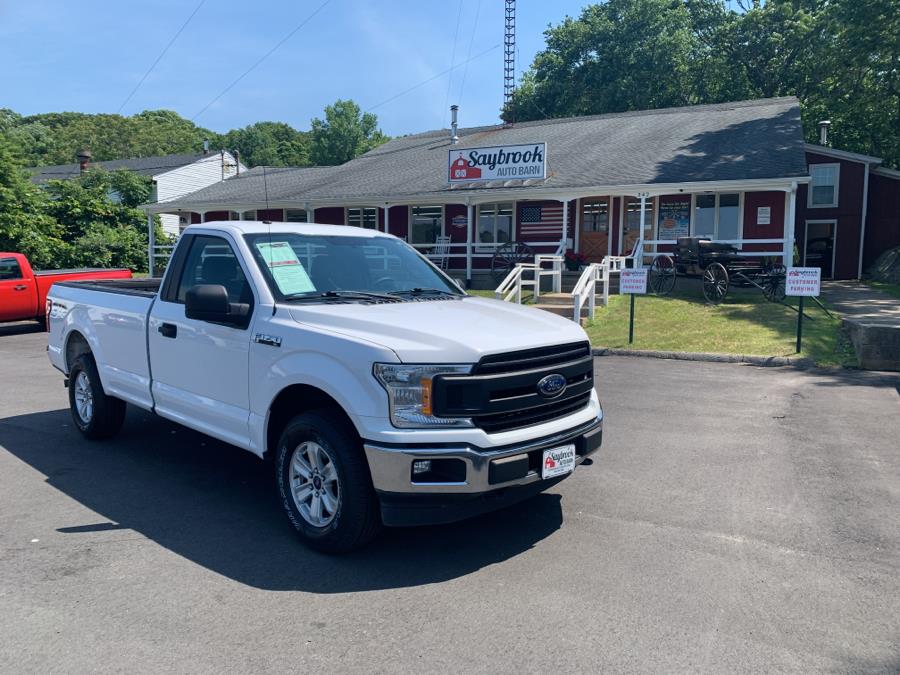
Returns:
point(147, 166)
point(746, 140)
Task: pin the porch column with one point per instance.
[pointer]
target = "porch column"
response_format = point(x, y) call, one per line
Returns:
point(310, 213)
point(790, 215)
point(470, 216)
point(639, 255)
point(151, 242)
point(387, 218)
point(577, 243)
point(565, 225)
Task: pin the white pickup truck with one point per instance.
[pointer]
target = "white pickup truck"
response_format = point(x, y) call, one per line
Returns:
point(382, 393)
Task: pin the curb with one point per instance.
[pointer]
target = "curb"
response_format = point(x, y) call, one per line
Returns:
point(765, 361)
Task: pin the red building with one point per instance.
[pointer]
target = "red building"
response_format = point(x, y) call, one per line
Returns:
point(737, 172)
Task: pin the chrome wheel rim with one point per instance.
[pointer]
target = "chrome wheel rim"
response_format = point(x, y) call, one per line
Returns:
point(84, 398)
point(314, 484)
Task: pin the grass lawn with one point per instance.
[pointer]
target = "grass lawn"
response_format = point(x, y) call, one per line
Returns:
point(890, 289)
point(744, 324)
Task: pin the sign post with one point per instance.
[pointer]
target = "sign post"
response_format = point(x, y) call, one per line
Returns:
point(633, 282)
point(802, 282)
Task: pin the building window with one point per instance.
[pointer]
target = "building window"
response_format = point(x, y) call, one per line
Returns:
point(595, 216)
point(425, 224)
point(718, 216)
point(495, 223)
point(823, 189)
point(295, 215)
point(363, 217)
point(633, 216)
point(248, 215)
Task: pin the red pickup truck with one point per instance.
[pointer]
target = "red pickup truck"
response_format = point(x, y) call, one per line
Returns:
point(23, 292)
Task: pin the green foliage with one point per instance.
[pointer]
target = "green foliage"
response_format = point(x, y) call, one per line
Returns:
point(24, 225)
point(839, 57)
point(270, 144)
point(345, 133)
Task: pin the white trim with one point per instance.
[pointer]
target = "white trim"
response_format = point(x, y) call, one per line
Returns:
point(886, 172)
point(837, 186)
point(862, 223)
point(489, 195)
point(841, 154)
point(575, 241)
point(832, 221)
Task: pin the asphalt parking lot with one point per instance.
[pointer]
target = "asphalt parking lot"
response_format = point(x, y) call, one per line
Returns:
point(738, 519)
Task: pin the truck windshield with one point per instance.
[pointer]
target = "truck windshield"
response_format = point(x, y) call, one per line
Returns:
point(299, 266)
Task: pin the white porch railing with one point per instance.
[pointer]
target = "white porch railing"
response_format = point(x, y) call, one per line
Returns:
point(554, 272)
point(512, 285)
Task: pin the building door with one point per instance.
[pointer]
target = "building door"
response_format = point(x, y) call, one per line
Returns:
point(631, 224)
point(594, 241)
point(818, 247)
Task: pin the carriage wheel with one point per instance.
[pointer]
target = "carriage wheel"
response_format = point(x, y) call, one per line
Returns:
point(506, 257)
point(715, 283)
point(662, 275)
point(773, 289)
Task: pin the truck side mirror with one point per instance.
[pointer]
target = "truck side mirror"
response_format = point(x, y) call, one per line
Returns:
point(209, 302)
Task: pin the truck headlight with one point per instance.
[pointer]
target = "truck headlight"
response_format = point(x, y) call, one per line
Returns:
point(409, 393)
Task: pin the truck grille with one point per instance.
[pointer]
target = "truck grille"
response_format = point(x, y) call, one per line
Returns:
point(502, 394)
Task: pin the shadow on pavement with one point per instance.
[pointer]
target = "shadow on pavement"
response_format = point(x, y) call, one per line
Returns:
point(21, 328)
point(215, 505)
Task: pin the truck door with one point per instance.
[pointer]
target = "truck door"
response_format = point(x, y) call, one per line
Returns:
point(18, 297)
point(200, 369)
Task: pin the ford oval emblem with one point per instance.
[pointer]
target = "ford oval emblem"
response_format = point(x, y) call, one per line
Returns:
point(552, 385)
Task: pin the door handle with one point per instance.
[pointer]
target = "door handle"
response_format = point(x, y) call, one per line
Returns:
point(169, 330)
point(20, 287)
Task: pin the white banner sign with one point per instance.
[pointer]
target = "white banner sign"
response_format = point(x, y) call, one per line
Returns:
point(633, 281)
point(504, 162)
point(806, 281)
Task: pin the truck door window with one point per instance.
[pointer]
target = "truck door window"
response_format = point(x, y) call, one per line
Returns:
point(212, 261)
point(9, 269)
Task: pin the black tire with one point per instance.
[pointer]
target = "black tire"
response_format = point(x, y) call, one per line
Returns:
point(662, 275)
point(715, 283)
point(106, 413)
point(356, 520)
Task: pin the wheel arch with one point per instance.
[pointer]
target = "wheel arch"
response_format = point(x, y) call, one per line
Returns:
point(76, 345)
point(293, 400)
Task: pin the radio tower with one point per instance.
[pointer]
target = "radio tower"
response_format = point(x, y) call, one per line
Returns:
point(509, 61)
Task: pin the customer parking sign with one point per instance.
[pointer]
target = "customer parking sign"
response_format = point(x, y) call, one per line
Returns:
point(803, 281)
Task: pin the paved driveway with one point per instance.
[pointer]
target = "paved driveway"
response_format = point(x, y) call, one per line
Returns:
point(738, 519)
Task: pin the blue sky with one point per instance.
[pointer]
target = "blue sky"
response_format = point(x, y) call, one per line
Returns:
point(87, 55)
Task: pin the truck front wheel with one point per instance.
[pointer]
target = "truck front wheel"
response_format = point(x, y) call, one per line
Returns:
point(324, 484)
point(95, 414)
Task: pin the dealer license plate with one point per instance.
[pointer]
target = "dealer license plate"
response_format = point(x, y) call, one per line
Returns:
point(558, 461)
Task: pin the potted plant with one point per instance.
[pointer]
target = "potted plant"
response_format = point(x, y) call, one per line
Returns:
point(574, 261)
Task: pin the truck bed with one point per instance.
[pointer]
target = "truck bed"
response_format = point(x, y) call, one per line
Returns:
point(147, 288)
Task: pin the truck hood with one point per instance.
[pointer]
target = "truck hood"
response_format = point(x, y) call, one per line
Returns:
point(443, 331)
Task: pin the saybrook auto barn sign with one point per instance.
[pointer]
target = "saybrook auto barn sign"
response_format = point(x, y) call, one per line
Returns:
point(502, 162)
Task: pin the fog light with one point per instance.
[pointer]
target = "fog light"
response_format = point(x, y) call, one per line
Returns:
point(421, 466)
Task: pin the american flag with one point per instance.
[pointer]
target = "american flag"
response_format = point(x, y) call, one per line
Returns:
point(541, 220)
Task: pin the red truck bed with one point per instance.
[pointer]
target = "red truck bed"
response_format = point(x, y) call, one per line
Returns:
point(23, 291)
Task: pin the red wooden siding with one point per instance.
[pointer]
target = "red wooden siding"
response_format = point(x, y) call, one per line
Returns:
point(331, 215)
point(774, 230)
point(882, 217)
point(848, 214)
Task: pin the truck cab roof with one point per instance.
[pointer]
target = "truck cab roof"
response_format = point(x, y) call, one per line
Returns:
point(238, 228)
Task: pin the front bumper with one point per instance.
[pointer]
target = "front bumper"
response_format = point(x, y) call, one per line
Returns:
point(492, 478)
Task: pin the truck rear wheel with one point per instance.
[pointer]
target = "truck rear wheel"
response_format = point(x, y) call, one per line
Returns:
point(324, 483)
point(95, 414)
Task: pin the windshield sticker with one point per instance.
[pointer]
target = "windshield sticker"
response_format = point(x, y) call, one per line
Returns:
point(288, 272)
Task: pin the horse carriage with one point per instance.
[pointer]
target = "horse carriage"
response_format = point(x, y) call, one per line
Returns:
point(719, 265)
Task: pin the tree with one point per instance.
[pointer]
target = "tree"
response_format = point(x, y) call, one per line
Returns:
point(841, 58)
point(345, 133)
point(24, 225)
point(269, 143)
